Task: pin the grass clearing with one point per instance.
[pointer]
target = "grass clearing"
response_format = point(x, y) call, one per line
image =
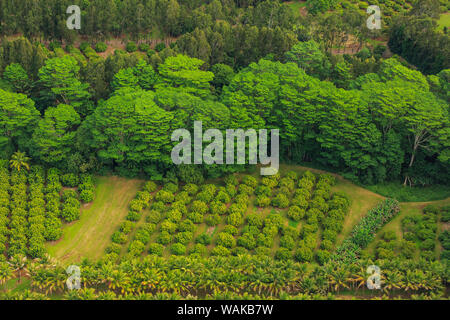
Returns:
point(89, 236)
point(444, 21)
point(296, 6)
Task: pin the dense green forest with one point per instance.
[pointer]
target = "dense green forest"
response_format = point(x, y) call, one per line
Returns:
point(79, 106)
point(347, 113)
point(363, 127)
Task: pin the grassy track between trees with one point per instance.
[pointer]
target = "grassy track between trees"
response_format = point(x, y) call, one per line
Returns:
point(89, 236)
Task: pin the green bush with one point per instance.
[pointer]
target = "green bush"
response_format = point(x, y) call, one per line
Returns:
point(187, 225)
point(142, 235)
point(136, 248)
point(296, 213)
point(126, 227)
point(150, 186)
point(204, 239)
point(119, 237)
point(191, 189)
point(183, 237)
point(84, 46)
point(70, 213)
point(220, 251)
point(199, 206)
point(231, 230)
point(168, 226)
point(217, 207)
point(196, 217)
point(70, 180)
point(323, 256)
point(183, 197)
point(154, 216)
point(212, 220)
point(114, 248)
point(69, 194)
point(101, 47)
point(287, 242)
point(144, 47)
point(283, 254)
point(247, 241)
point(254, 219)
point(235, 219)
point(171, 187)
point(137, 205)
point(199, 249)
point(156, 248)
point(226, 240)
point(178, 249)
point(131, 47)
point(280, 201)
point(249, 181)
point(174, 215)
point(304, 254)
point(164, 238)
point(160, 47)
point(164, 196)
point(87, 196)
point(134, 216)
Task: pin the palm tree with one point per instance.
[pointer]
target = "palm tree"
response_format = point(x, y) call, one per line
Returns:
point(19, 160)
point(338, 279)
point(19, 264)
point(392, 281)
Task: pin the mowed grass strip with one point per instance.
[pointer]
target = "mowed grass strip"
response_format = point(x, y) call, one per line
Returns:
point(89, 236)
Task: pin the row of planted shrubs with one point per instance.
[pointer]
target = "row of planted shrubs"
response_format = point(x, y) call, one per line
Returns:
point(142, 236)
point(177, 210)
point(31, 208)
point(27, 215)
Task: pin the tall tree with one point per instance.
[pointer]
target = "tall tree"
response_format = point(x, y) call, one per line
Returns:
point(18, 117)
point(59, 79)
point(54, 137)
